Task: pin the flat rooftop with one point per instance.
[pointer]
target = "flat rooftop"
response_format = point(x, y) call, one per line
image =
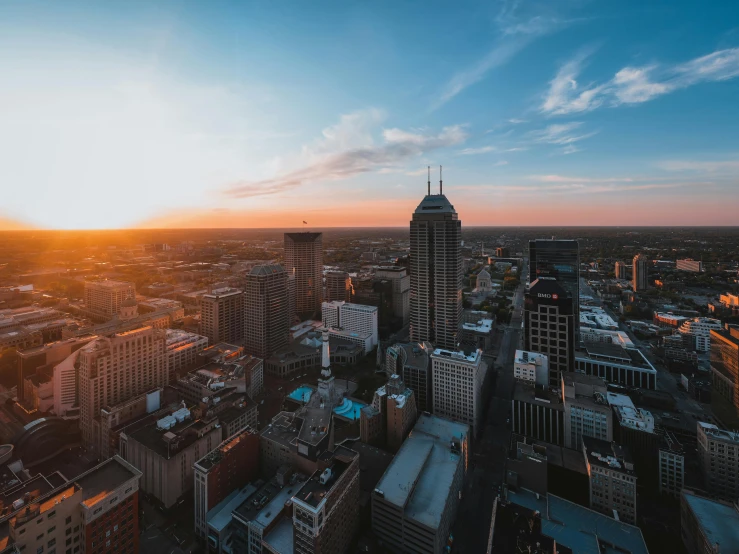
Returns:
point(219, 516)
point(283, 429)
point(420, 477)
point(581, 529)
point(608, 455)
point(264, 505)
point(528, 393)
point(313, 491)
point(460, 356)
point(153, 438)
point(280, 538)
point(103, 479)
point(716, 433)
point(719, 521)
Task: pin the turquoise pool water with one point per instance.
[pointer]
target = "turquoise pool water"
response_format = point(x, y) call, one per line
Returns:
point(301, 394)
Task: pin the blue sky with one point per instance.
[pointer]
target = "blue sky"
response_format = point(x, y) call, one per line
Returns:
point(267, 113)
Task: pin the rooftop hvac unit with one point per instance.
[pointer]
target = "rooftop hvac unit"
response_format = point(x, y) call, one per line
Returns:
point(325, 476)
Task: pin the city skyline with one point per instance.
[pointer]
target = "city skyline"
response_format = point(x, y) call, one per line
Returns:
point(127, 115)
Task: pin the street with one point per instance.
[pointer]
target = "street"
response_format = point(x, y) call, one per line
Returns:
point(490, 449)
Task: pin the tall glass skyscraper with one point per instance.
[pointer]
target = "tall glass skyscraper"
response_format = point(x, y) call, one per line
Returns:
point(436, 272)
point(559, 259)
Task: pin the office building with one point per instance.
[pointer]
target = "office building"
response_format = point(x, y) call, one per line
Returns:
point(615, 364)
point(97, 511)
point(725, 373)
point(718, 452)
point(182, 350)
point(326, 508)
point(396, 406)
point(538, 413)
point(266, 316)
point(222, 316)
point(457, 386)
point(694, 266)
point(612, 479)
point(699, 328)
point(400, 282)
point(227, 364)
point(476, 331)
point(729, 300)
point(415, 502)
point(166, 450)
point(587, 411)
point(561, 525)
point(229, 466)
point(338, 286)
point(304, 260)
point(353, 322)
point(640, 273)
point(531, 367)
point(413, 363)
point(107, 297)
point(549, 325)
point(634, 429)
point(114, 369)
point(671, 466)
point(620, 270)
point(114, 418)
point(292, 292)
point(708, 526)
point(436, 272)
point(560, 260)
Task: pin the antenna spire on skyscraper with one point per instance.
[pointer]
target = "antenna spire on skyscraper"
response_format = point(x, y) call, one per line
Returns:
point(441, 190)
point(429, 181)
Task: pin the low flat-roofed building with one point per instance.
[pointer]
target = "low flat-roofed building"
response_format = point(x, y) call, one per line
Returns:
point(538, 413)
point(182, 350)
point(587, 412)
point(416, 500)
point(580, 529)
point(708, 526)
point(615, 364)
point(531, 367)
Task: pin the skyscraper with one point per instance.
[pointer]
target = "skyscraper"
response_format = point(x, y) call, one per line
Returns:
point(266, 321)
point(559, 259)
point(549, 325)
point(436, 272)
point(620, 270)
point(304, 259)
point(222, 316)
point(640, 272)
point(338, 286)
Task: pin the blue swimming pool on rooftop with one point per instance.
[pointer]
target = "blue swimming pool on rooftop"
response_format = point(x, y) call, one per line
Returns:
point(301, 394)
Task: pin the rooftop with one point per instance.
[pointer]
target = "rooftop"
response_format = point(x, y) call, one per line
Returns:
point(523, 392)
point(280, 538)
point(317, 424)
point(264, 505)
point(720, 434)
point(283, 429)
point(105, 478)
point(266, 269)
point(167, 442)
point(303, 237)
point(578, 528)
point(214, 457)
point(420, 477)
point(474, 357)
point(315, 490)
point(110, 284)
point(719, 521)
point(219, 516)
point(435, 204)
point(608, 455)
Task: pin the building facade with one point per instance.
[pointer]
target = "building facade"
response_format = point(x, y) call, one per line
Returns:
point(182, 350)
point(107, 297)
point(587, 411)
point(694, 266)
point(620, 270)
point(671, 466)
point(531, 367)
point(718, 455)
point(708, 526)
point(222, 316)
point(612, 479)
point(699, 329)
point(436, 272)
point(725, 372)
point(640, 273)
point(457, 386)
point(304, 260)
point(549, 325)
point(116, 368)
point(560, 260)
point(356, 320)
point(266, 315)
point(338, 286)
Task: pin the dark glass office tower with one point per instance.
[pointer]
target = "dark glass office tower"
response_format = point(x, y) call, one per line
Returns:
point(559, 259)
point(549, 325)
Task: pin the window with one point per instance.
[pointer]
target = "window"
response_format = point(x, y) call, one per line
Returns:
point(51, 530)
point(68, 520)
point(51, 514)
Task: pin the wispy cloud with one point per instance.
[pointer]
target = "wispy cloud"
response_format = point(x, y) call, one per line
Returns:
point(348, 149)
point(700, 166)
point(633, 85)
point(566, 179)
point(562, 134)
point(515, 33)
point(474, 151)
point(516, 121)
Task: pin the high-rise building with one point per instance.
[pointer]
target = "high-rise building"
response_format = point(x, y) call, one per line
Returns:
point(559, 259)
point(304, 259)
point(352, 322)
point(115, 368)
point(587, 411)
point(718, 452)
point(106, 297)
point(725, 373)
point(620, 270)
point(671, 466)
point(338, 286)
point(395, 404)
point(457, 386)
point(699, 329)
point(229, 466)
point(415, 502)
point(182, 350)
point(401, 290)
point(222, 316)
point(612, 479)
point(412, 363)
point(640, 273)
point(436, 272)
point(549, 325)
point(531, 367)
point(266, 320)
point(326, 508)
point(694, 266)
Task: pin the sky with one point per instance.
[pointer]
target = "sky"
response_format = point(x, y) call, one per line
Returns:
point(267, 114)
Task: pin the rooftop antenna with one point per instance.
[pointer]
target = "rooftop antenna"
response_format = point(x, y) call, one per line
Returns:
point(440, 182)
point(429, 181)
